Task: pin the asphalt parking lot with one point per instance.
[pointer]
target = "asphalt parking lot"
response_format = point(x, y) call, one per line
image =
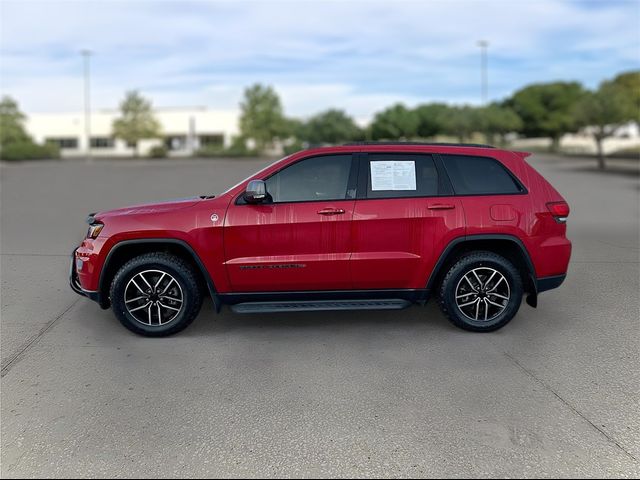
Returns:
point(556, 393)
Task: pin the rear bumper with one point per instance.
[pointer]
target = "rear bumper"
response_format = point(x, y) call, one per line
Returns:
point(543, 284)
point(549, 283)
point(74, 282)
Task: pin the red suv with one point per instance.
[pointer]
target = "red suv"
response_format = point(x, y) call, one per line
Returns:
point(359, 226)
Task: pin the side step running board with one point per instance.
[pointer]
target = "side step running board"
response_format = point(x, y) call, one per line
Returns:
point(311, 305)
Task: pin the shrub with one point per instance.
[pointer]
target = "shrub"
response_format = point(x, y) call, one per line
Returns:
point(294, 147)
point(28, 150)
point(159, 151)
point(210, 151)
point(238, 148)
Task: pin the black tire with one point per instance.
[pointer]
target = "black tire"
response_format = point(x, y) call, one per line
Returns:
point(170, 265)
point(454, 279)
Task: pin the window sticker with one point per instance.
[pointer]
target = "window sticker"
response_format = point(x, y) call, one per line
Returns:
point(393, 175)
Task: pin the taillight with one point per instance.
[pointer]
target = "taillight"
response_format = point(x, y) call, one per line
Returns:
point(559, 210)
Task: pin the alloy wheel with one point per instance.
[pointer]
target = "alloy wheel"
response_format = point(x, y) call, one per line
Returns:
point(482, 294)
point(153, 297)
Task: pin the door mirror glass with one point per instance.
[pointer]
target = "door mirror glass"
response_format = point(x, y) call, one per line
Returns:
point(256, 191)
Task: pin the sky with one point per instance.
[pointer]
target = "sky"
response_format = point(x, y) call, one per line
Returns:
point(358, 56)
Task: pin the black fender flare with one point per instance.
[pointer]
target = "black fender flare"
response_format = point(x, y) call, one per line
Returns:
point(532, 298)
point(203, 270)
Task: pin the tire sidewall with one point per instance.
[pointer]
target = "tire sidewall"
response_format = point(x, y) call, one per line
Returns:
point(139, 265)
point(469, 263)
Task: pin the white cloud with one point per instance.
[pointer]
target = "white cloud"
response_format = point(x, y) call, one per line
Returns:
point(360, 56)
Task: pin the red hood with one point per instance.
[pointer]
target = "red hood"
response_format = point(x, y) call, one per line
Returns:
point(158, 207)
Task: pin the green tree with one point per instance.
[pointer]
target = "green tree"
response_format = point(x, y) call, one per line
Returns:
point(332, 126)
point(496, 120)
point(602, 112)
point(137, 121)
point(394, 123)
point(15, 142)
point(297, 128)
point(261, 117)
point(431, 119)
point(11, 123)
point(547, 109)
point(460, 122)
point(629, 83)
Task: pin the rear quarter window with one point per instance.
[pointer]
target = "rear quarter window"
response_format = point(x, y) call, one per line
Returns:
point(471, 175)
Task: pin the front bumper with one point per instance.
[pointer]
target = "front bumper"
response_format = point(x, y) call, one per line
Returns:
point(74, 282)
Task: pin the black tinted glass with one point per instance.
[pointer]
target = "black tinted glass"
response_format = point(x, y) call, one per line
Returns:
point(393, 175)
point(478, 175)
point(316, 178)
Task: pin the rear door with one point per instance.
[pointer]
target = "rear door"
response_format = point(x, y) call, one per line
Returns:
point(404, 216)
point(301, 238)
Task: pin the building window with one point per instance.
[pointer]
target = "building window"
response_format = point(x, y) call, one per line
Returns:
point(67, 143)
point(176, 142)
point(212, 140)
point(102, 142)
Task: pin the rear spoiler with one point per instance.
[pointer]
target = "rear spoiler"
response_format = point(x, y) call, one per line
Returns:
point(522, 155)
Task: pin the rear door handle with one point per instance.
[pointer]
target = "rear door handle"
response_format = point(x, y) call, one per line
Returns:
point(441, 206)
point(331, 211)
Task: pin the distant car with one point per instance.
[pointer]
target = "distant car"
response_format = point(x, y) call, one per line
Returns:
point(359, 226)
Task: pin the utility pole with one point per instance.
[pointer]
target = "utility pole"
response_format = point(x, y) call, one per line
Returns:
point(484, 79)
point(86, 55)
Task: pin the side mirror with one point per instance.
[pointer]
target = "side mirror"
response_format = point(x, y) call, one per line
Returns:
point(256, 191)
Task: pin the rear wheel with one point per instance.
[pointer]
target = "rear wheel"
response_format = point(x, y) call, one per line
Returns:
point(481, 292)
point(155, 294)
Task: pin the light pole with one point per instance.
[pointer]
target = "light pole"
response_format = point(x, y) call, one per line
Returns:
point(86, 55)
point(484, 79)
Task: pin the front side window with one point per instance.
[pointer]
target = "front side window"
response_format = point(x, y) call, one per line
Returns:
point(479, 176)
point(392, 175)
point(313, 179)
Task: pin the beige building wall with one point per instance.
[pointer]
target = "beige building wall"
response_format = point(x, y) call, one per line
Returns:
point(184, 130)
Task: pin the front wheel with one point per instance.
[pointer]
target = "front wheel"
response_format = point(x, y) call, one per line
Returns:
point(155, 294)
point(481, 292)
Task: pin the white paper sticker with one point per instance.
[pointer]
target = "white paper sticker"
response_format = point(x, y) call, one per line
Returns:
point(393, 175)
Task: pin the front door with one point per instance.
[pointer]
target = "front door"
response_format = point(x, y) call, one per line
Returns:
point(300, 238)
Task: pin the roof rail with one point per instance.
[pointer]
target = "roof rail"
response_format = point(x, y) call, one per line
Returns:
point(437, 144)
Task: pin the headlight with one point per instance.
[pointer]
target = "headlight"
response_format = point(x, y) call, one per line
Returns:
point(95, 229)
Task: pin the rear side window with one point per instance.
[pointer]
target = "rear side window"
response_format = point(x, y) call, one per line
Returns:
point(479, 176)
point(391, 175)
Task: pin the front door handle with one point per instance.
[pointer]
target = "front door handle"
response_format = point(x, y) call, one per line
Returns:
point(441, 206)
point(331, 211)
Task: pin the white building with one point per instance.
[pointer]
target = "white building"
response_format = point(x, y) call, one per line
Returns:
point(625, 137)
point(184, 130)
